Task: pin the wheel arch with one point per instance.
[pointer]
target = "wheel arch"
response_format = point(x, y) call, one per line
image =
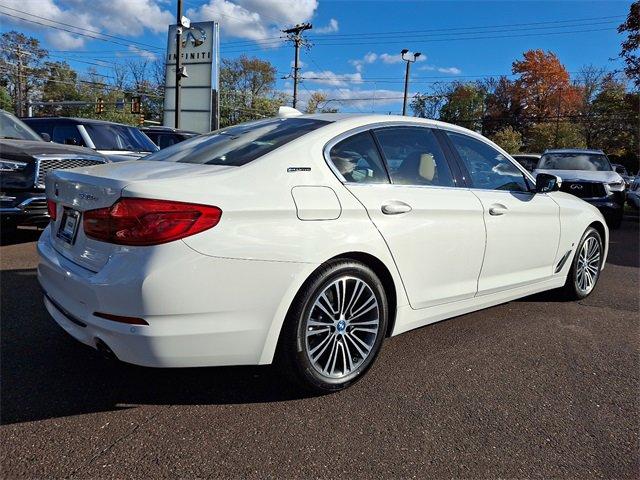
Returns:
point(272, 349)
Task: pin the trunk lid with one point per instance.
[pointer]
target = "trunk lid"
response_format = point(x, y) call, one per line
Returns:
point(89, 188)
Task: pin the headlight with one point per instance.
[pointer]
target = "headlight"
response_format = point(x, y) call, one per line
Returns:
point(11, 165)
point(614, 187)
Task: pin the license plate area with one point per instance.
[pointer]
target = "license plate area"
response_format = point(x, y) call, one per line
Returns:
point(69, 225)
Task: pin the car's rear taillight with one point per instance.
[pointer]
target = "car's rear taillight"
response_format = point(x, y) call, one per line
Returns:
point(52, 209)
point(143, 221)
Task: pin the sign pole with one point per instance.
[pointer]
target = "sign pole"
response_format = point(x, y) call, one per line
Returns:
point(178, 72)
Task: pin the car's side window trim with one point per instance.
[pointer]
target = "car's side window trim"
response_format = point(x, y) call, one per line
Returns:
point(528, 178)
point(458, 171)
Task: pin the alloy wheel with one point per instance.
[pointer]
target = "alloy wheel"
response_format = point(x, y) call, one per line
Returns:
point(342, 327)
point(588, 266)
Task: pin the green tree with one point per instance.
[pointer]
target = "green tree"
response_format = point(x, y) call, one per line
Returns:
point(426, 106)
point(509, 139)
point(554, 135)
point(21, 59)
point(631, 44)
point(464, 106)
point(5, 99)
point(247, 90)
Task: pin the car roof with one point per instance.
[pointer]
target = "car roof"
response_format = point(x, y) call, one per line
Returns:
point(526, 155)
point(75, 120)
point(573, 150)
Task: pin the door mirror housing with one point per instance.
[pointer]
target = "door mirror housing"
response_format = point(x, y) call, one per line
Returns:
point(45, 137)
point(546, 183)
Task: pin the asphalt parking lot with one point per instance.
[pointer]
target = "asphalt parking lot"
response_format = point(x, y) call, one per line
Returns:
point(533, 388)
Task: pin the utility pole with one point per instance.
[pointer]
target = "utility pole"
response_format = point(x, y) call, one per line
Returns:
point(294, 34)
point(19, 82)
point(176, 122)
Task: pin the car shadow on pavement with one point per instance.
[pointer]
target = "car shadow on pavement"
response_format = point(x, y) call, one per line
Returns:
point(47, 374)
point(20, 235)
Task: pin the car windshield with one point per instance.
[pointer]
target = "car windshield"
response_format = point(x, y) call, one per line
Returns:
point(107, 136)
point(240, 144)
point(12, 127)
point(575, 161)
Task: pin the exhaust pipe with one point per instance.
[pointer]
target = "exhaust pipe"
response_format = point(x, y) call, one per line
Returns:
point(104, 349)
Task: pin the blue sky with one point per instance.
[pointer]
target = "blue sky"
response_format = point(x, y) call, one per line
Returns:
point(355, 43)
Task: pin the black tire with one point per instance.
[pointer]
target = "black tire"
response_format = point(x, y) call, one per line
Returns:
point(571, 288)
point(294, 353)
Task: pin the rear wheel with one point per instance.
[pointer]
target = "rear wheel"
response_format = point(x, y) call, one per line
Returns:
point(585, 270)
point(336, 326)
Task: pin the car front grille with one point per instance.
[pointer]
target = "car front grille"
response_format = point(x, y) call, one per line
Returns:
point(584, 189)
point(47, 165)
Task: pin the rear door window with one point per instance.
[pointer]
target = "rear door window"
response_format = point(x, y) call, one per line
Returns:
point(414, 156)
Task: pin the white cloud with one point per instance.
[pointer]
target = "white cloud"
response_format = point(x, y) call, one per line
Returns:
point(146, 54)
point(350, 99)
point(64, 41)
point(361, 62)
point(435, 68)
point(119, 17)
point(254, 19)
point(391, 58)
point(331, 27)
point(451, 70)
point(327, 77)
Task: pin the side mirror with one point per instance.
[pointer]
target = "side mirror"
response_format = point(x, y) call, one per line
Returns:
point(45, 137)
point(547, 183)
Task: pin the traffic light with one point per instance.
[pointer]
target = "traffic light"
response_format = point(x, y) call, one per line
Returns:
point(135, 105)
point(141, 121)
point(100, 105)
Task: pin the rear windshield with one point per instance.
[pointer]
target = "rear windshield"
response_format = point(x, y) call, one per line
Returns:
point(575, 161)
point(240, 144)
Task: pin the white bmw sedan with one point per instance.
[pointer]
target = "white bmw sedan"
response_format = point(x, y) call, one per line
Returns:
point(304, 240)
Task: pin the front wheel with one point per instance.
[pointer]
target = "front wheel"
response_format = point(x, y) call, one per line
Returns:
point(586, 266)
point(336, 326)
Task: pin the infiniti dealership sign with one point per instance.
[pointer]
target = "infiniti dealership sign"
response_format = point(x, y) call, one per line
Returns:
point(198, 92)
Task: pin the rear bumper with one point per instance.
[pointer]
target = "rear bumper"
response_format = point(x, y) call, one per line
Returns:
point(201, 311)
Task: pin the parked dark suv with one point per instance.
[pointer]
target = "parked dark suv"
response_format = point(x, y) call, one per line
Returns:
point(164, 137)
point(588, 174)
point(25, 160)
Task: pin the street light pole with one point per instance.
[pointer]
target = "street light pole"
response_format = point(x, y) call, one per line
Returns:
point(406, 76)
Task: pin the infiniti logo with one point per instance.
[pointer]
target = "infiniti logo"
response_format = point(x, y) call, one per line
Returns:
point(576, 186)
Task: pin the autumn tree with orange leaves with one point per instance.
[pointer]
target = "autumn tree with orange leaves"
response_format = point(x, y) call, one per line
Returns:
point(543, 88)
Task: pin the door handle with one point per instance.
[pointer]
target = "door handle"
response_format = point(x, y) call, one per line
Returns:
point(395, 207)
point(497, 209)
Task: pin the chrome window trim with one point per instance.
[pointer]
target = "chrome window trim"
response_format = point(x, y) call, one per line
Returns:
point(408, 123)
